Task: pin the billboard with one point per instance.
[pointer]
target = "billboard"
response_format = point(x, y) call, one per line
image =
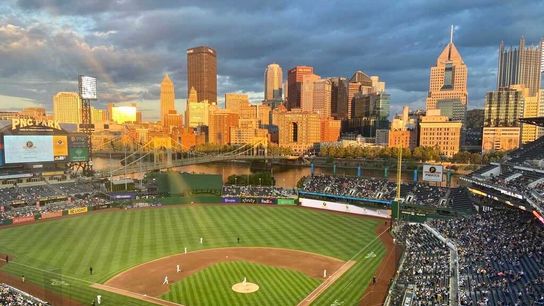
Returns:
point(78, 154)
point(28, 149)
point(87, 87)
point(77, 210)
point(286, 201)
point(60, 147)
point(432, 173)
point(231, 200)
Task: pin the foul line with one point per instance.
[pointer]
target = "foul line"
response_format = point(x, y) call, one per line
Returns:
point(135, 295)
point(319, 290)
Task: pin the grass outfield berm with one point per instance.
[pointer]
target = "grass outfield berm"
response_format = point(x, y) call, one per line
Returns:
point(57, 254)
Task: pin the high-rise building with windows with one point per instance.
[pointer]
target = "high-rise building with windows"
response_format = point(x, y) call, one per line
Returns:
point(448, 78)
point(521, 65)
point(167, 98)
point(67, 107)
point(322, 95)
point(339, 98)
point(307, 92)
point(273, 83)
point(202, 72)
point(294, 85)
point(439, 131)
point(298, 130)
point(502, 110)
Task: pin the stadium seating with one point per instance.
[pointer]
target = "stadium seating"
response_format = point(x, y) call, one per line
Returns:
point(10, 296)
point(425, 274)
point(501, 257)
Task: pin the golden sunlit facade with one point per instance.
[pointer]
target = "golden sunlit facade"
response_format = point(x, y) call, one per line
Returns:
point(448, 79)
point(167, 98)
point(298, 130)
point(123, 114)
point(439, 131)
point(67, 107)
point(273, 79)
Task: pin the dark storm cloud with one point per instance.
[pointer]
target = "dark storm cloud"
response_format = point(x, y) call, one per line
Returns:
point(136, 41)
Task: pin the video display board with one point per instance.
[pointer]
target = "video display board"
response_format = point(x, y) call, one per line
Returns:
point(87, 87)
point(35, 148)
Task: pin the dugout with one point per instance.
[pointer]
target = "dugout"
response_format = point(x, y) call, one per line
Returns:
point(184, 184)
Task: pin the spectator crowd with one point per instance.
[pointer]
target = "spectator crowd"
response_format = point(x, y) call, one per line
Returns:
point(501, 257)
point(425, 275)
point(375, 188)
point(258, 191)
point(10, 296)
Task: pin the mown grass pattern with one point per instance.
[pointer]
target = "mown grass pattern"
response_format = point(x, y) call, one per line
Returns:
point(213, 285)
point(114, 241)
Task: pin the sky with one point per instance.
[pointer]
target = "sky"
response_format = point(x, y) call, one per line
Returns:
point(129, 44)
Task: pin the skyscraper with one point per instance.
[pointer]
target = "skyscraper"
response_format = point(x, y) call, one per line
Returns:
point(502, 110)
point(322, 97)
point(520, 65)
point(273, 83)
point(167, 97)
point(339, 98)
point(67, 107)
point(294, 85)
point(307, 92)
point(202, 72)
point(448, 79)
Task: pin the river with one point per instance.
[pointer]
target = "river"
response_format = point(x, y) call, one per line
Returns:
point(286, 176)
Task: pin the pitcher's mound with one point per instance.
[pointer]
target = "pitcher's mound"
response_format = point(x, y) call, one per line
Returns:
point(245, 287)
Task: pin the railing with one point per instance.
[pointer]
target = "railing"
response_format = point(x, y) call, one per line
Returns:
point(454, 265)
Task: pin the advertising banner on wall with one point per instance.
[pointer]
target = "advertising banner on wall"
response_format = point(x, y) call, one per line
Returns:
point(26, 219)
point(267, 201)
point(286, 201)
point(52, 214)
point(249, 200)
point(77, 210)
point(231, 200)
point(432, 173)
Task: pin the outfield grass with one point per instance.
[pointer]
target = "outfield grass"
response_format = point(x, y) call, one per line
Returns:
point(212, 286)
point(114, 241)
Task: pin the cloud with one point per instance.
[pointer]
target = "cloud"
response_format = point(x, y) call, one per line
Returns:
point(129, 44)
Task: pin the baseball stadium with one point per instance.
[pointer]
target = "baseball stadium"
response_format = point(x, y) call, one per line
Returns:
point(178, 238)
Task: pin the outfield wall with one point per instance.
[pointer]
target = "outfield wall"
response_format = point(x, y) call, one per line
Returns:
point(342, 207)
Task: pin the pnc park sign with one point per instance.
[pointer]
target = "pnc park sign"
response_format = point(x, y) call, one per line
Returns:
point(21, 123)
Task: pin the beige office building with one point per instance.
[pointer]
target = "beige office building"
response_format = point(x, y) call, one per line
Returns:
point(298, 130)
point(438, 131)
point(67, 107)
point(500, 139)
point(448, 78)
point(235, 101)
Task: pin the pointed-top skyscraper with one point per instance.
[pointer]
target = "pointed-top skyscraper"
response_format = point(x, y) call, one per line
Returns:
point(167, 97)
point(448, 79)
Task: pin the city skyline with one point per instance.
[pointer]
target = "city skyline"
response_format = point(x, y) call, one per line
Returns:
point(129, 62)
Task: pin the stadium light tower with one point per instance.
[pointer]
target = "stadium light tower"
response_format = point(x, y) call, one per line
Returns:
point(87, 93)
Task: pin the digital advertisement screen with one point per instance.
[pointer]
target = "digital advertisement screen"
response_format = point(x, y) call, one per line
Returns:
point(34, 148)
